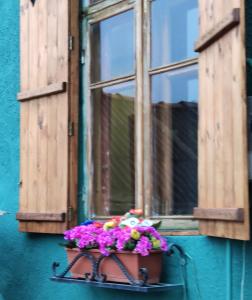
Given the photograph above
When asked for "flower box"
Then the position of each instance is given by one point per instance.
(126, 249)
(133, 262)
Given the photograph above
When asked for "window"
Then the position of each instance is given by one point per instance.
(143, 93)
(141, 113)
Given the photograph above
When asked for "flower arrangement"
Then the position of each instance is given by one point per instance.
(130, 232)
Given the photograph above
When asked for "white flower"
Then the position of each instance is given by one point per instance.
(131, 222)
(146, 223)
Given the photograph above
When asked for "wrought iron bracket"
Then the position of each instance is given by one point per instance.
(97, 279)
(96, 275)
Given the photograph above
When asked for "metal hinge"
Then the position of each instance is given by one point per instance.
(70, 213)
(70, 128)
(83, 53)
(70, 42)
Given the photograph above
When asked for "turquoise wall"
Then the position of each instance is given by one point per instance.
(214, 272)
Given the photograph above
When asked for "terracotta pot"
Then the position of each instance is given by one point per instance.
(132, 261)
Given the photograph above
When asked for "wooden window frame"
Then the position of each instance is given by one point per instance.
(173, 225)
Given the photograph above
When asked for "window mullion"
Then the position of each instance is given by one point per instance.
(147, 132)
(139, 197)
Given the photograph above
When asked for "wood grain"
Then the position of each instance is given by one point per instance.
(45, 143)
(48, 90)
(222, 141)
(228, 214)
(60, 217)
(221, 28)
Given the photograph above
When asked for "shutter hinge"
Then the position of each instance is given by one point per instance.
(70, 128)
(70, 213)
(70, 42)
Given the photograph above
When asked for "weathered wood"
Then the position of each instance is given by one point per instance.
(112, 82)
(147, 111)
(179, 233)
(48, 157)
(225, 214)
(174, 66)
(49, 90)
(222, 139)
(49, 217)
(109, 11)
(221, 28)
(139, 184)
(74, 111)
(24, 109)
(93, 150)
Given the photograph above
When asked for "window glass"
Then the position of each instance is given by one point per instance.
(174, 141)
(174, 28)
(113, 149)
(113, 47)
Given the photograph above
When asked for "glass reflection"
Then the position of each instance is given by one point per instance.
(174, 141)
(112, 47)
(174, 29)
(113, 151)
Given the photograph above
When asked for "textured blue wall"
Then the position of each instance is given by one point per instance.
(25, 259)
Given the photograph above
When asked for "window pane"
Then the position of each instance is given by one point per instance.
(113, 149)
(112, 47)
(174, 141)
(174, 28)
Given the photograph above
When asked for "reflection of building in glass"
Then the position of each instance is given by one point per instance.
(174, 145)
(113, 137)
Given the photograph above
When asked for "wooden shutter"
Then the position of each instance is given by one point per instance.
(223, 167)
(48, 114)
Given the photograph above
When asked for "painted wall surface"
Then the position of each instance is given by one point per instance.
(216, 270)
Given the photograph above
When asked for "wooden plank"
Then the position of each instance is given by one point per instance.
(74, 111)
(51, 89)
(226, 214)
(240, 109)
(24, 109)
(49, 217)
(43, 107)
(110, 11)
(179, 233)
(33, 109)
(221, 28)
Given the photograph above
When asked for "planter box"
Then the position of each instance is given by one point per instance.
(132, 261)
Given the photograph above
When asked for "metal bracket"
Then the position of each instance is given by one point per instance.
(70, 42)
(96, 275)
(70, 213)
(96, 279)
(70, 128)
(83, 55)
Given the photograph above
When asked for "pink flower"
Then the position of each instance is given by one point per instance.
(143, 246)
(92, 235)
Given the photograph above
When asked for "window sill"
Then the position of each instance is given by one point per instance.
(173, 225)
(179, 232)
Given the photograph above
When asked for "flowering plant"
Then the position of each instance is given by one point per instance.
(130, 232)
